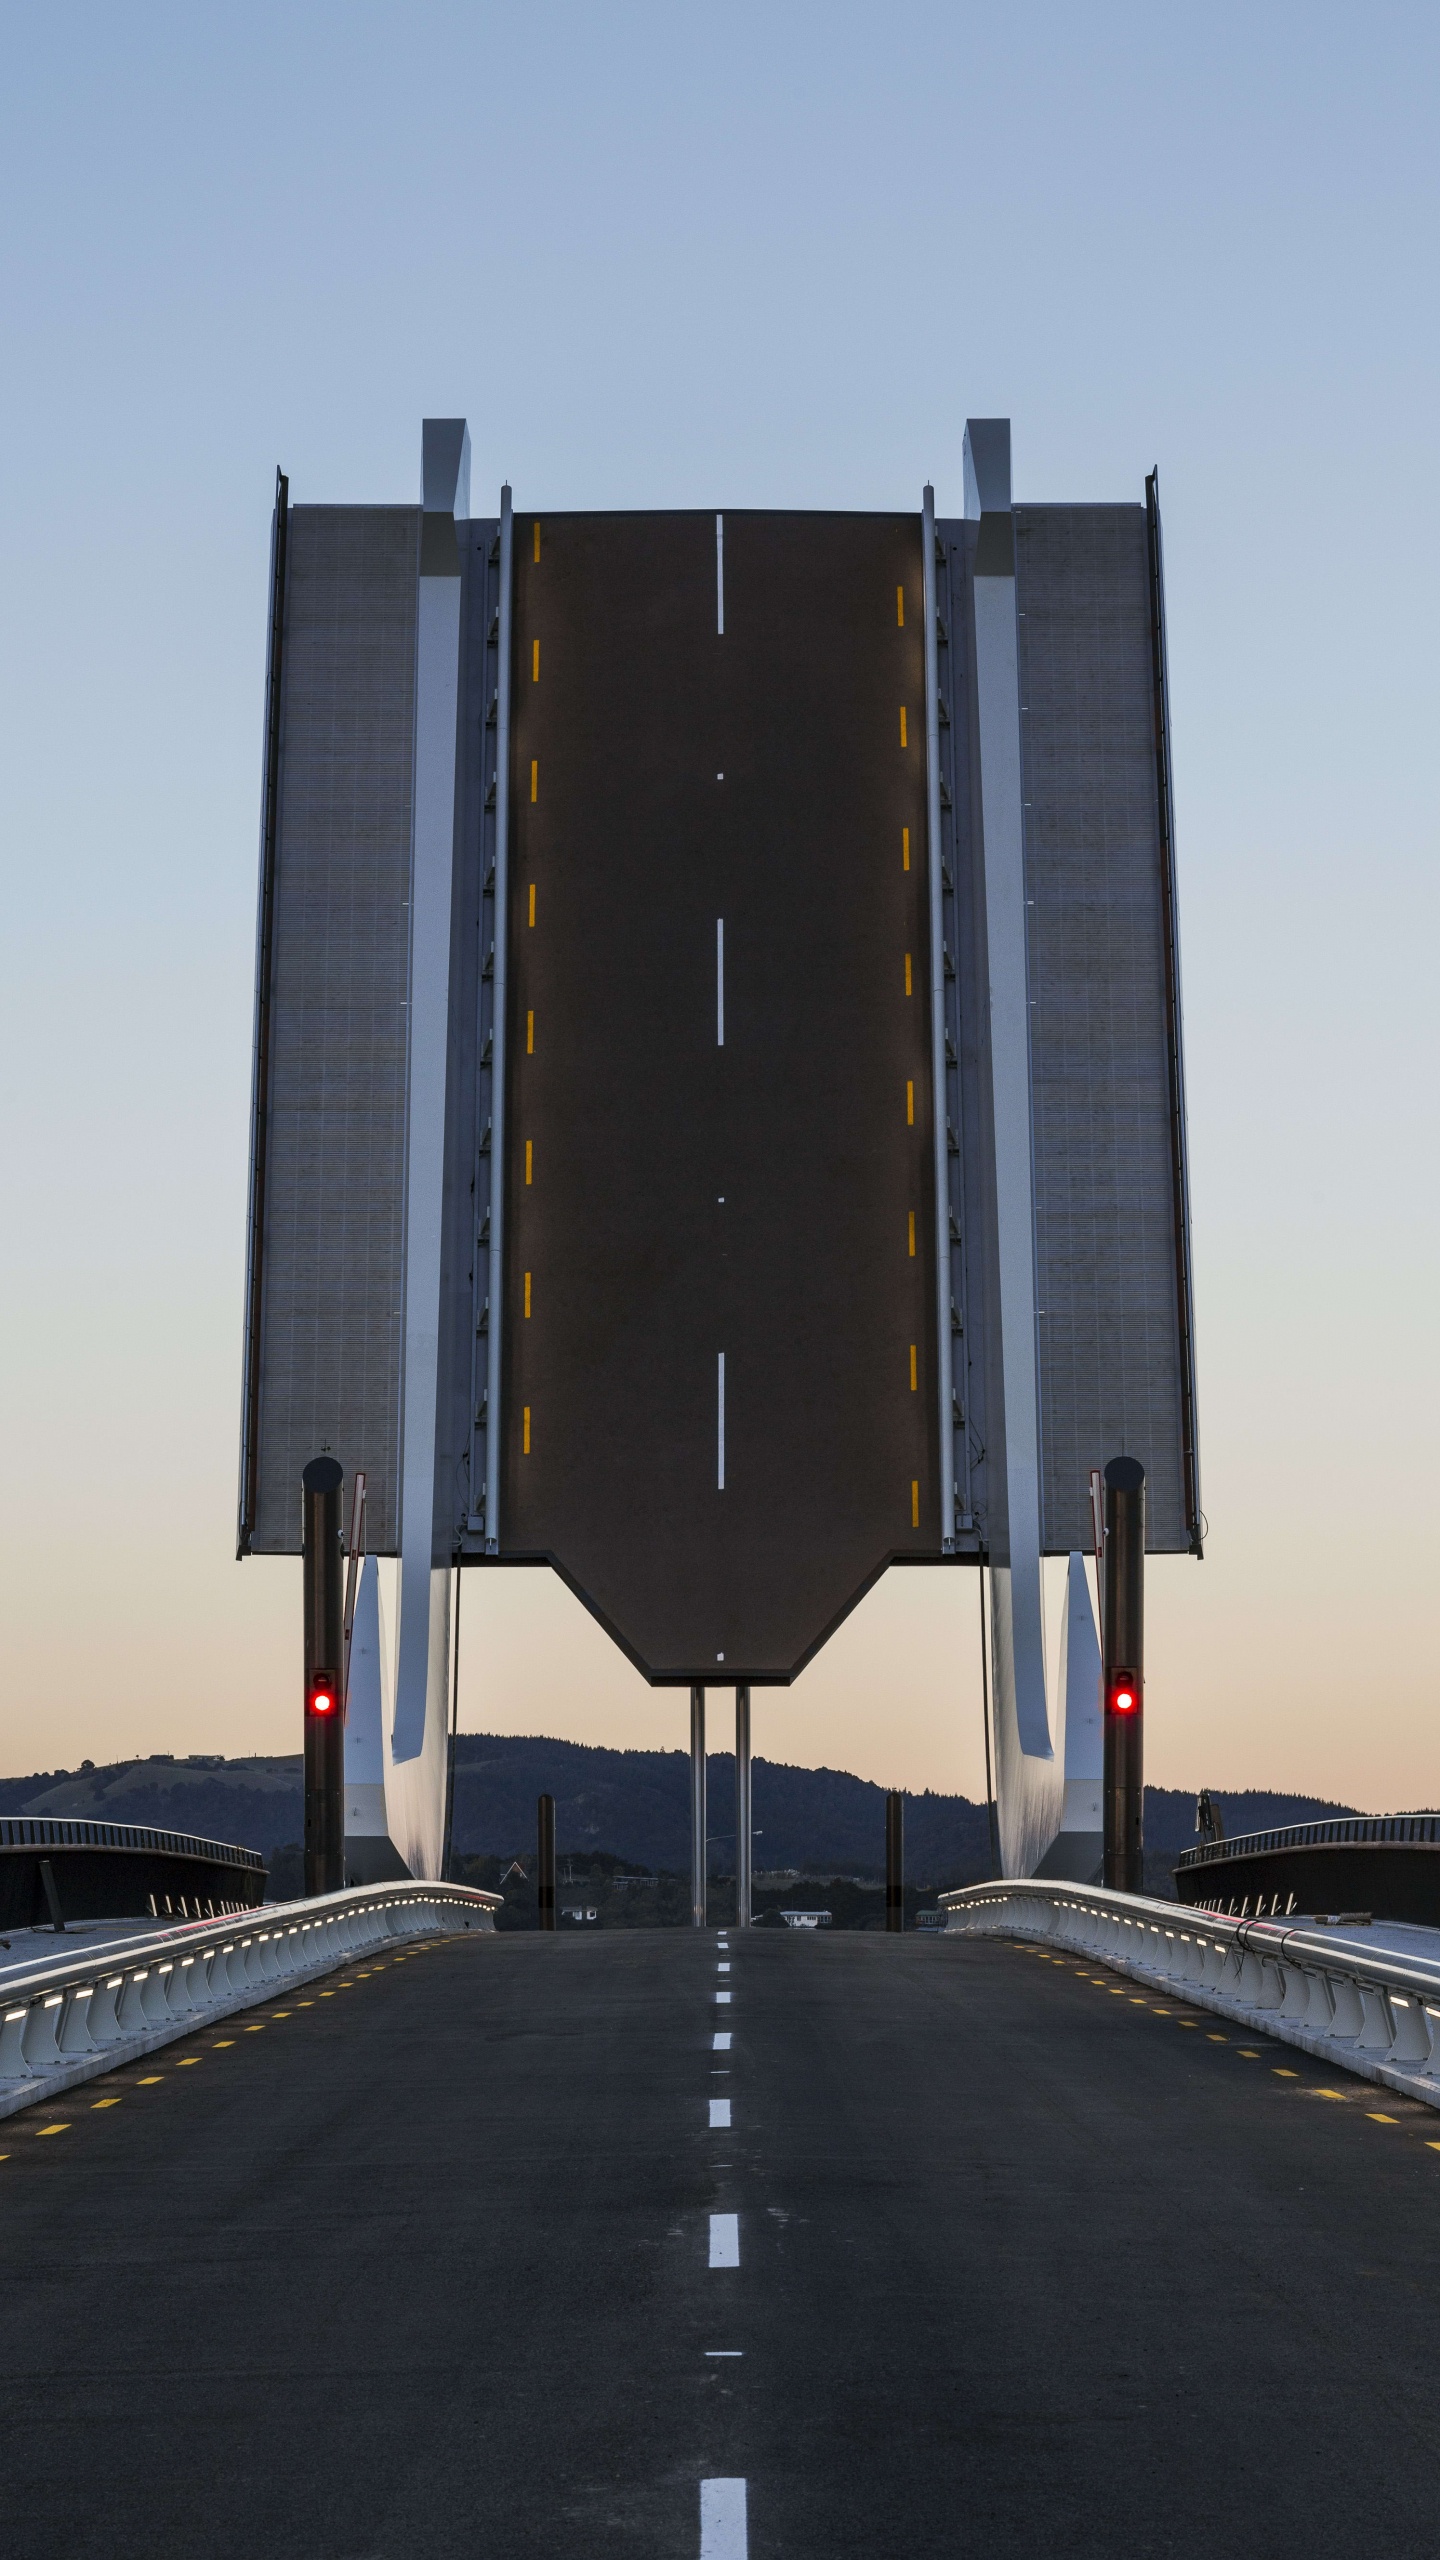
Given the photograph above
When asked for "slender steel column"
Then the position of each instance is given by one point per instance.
(545, 1864)
(324, 1693)
(894, 1860)
(1123, 1637)
(743, 1834)
(698, 1843)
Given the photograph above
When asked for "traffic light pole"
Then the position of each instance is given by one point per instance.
(1123, 1640)
(324, 1692)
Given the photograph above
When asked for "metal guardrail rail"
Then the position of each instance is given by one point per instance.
(1374, 2013)
(78, 1831)
(1342, 1831)
(70, 2020)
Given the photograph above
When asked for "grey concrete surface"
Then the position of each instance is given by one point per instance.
(417, 2262)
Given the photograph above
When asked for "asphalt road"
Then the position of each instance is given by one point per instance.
(419, 2263)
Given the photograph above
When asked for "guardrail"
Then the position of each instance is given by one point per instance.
(1337, 1831)
(1376, 2013)
(70, 2020)
(81, 1831)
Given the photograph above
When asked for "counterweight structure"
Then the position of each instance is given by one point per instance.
(719, 1119)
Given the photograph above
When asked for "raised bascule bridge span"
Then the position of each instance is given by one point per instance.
(719, 1132)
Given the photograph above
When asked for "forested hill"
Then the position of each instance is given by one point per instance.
(633, 1804)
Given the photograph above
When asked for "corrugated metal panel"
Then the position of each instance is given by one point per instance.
(1104, 1191)
(330, 1255)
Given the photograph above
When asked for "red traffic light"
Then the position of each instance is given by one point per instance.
(324, 1694)
(1122, 1695)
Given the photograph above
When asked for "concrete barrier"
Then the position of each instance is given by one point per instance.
(1369, 2010)
(73, 2018)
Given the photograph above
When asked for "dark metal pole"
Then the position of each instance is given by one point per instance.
(324, 1691)
(742, 1809)
(894, 1860)
(546, 1810)
(454, 1730)
(991, 1810)
(699, 1847)
(1124, 1650)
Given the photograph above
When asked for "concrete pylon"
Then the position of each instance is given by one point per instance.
(1077, 1851)
(371, 1856)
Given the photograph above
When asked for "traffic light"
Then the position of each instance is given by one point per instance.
(1124, 1691)
(324, 1694)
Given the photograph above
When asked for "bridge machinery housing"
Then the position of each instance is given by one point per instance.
(719, 1121)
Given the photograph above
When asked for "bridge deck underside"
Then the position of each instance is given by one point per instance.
(1028, 2263)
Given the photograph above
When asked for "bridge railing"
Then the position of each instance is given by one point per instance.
(1345, 1831)
(71, 2017)
(1364, 2008)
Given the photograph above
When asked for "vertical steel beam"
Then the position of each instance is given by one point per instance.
(699, 1851)
(944, 1346)
(1175, 1055)
(324, 1693)
(500, 1016)
(894, 1860)
(1124, 1642)
(545, 1861)
(744, 1835)
(264, 982)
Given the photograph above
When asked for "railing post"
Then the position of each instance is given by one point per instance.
(894, 1860)
(1124, 1642)
(324, 1695)
(546, 1861)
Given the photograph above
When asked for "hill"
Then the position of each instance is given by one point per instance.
(628, 1805)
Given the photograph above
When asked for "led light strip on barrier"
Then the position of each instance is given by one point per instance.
(71, 2021)
(1376, 2014)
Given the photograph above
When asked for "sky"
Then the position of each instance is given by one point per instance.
(759, 256)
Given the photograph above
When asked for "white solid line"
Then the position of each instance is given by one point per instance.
(722, 1421)
(724, 1998)
(724, 2534)
(724, 2239)
(719, 2115)
(721, 2043)
(720, 575)
(719, 982)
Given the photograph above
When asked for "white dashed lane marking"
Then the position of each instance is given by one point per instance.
(724, 2239)
(721, 2042)
(724, 1999)
(724, 2534)
(719, 2115)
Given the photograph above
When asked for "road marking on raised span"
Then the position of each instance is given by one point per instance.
(721, 2042)
(719, 2115)
(723, 1998)
(722, 1968)
(724, 2534)
(724, 2239)
(710, 2351)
